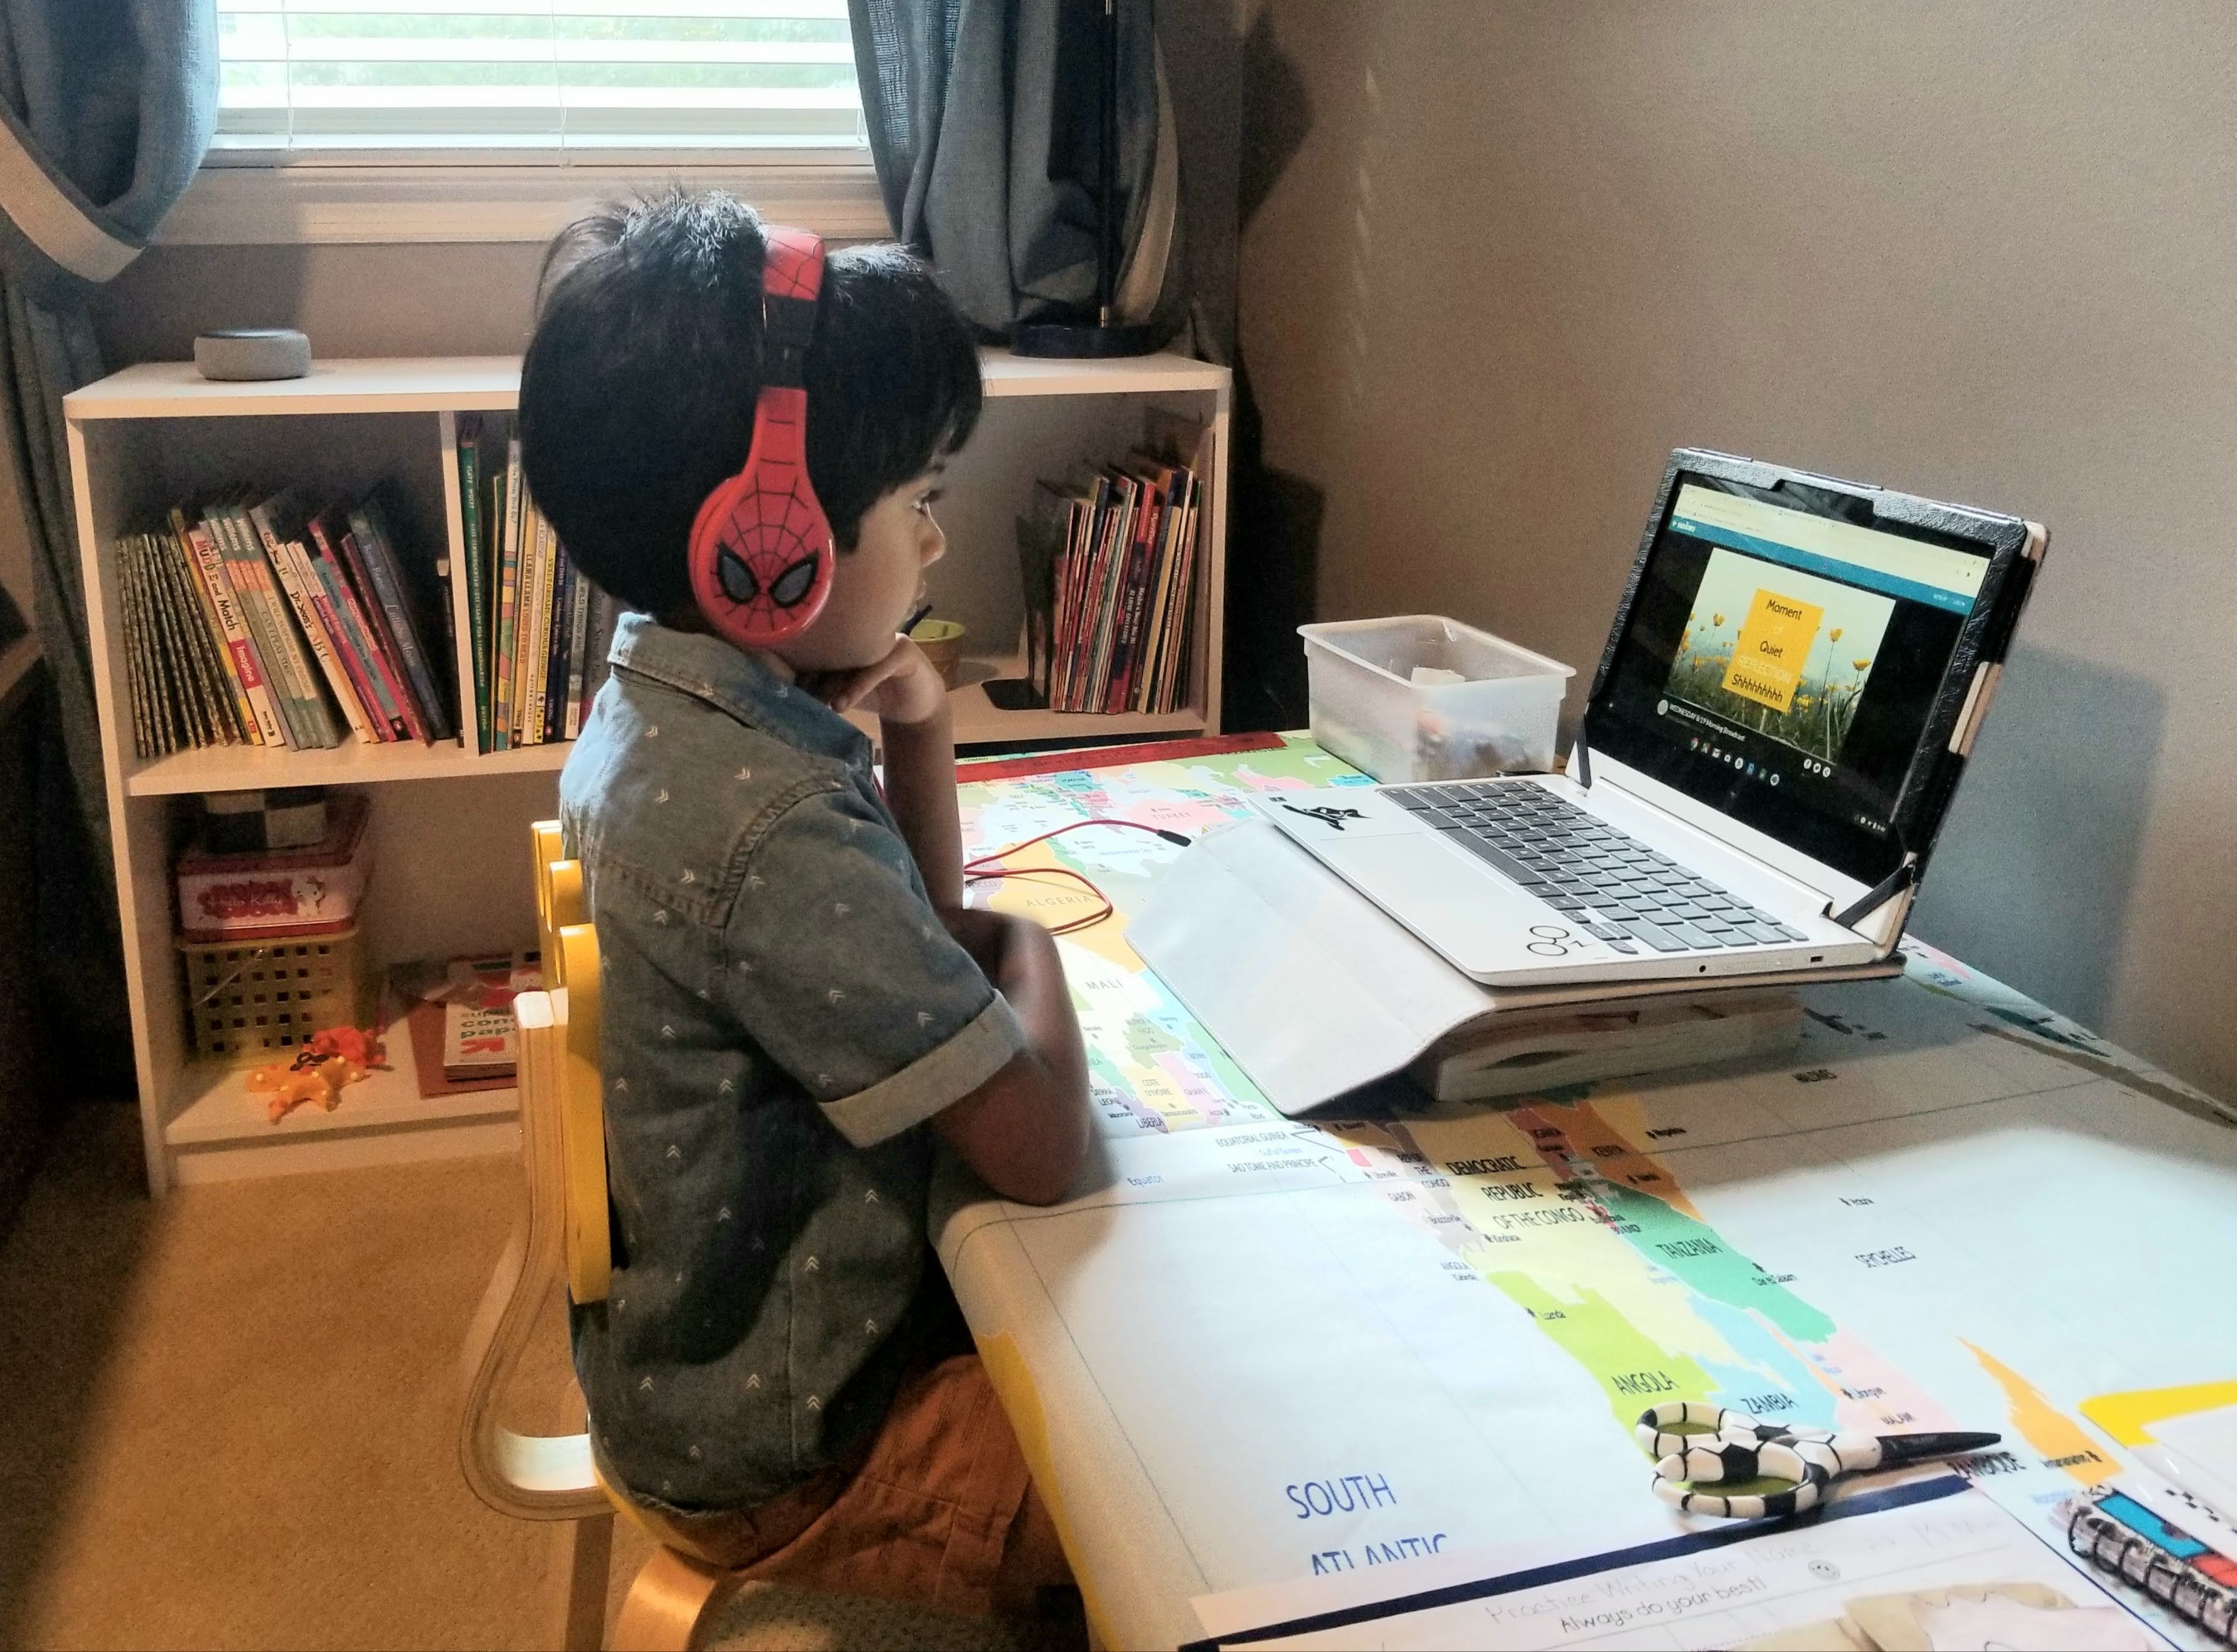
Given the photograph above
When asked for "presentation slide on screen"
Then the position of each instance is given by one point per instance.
(1779, 651)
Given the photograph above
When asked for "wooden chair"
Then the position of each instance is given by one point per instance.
(564, 1242)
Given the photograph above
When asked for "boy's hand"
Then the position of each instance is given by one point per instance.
(1025, 1130)
(902, 688)
(979, 932)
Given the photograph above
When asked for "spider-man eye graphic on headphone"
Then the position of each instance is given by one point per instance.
(778, 567)
(743, 586)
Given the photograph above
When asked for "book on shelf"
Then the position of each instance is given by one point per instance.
(167, 708)
(178, 694)
(503, 638)
(214, 598)
(382, 697)
(458, 1016)
(538, 628)
(570, 658)
(278, 523)
(535, 627)
(372, 649)
(287, 666)
(250, 620)
(402, 604)
(447, 612)
(478, 1043)
(1108, 563)
(472, 470)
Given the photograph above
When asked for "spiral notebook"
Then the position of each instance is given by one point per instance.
(2117, 1534)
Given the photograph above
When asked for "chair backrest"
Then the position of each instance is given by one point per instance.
(570, 946)
(582, 1114)
(563, 1235)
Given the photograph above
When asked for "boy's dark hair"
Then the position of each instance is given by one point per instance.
(636, 397)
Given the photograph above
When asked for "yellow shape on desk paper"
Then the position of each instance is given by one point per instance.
(2056, 1438)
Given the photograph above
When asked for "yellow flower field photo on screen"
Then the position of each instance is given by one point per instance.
(1779, 651)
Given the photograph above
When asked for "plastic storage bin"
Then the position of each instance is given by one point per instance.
(257, 1001)
(1367, 710)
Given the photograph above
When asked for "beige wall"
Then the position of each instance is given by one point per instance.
(1982, 251)
(409, 300)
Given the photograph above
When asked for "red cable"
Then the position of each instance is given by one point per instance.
(981, 869)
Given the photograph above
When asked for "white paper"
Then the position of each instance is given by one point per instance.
(1308, 984)
(1937, 1562)
(2206, 1442)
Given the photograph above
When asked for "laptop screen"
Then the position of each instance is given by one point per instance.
(1782, 658)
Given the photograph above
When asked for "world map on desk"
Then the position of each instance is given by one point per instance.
(1151, 1066)
(1949, 1209)
(1566, 1215)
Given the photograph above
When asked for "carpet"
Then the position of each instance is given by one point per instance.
(230, 1421)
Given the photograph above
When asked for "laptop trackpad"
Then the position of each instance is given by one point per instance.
(1444, 895)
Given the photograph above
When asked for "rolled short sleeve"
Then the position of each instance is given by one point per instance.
(839, 969)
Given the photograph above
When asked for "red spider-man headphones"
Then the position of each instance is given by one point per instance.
(762, 550)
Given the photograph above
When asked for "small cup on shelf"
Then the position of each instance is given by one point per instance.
(942, 643)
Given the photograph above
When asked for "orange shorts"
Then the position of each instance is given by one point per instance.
(941, 1512)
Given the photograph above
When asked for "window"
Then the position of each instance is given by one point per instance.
(531, 74)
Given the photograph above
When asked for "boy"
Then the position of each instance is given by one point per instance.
(795, 1003)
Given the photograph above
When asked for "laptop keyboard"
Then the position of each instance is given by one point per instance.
(1609, 885)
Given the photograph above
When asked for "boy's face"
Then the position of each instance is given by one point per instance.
(874, 586)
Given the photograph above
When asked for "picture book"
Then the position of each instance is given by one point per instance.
(474, 523)
(1107, 565)
(249, 620)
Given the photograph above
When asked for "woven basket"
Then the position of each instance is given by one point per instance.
(256, 1001)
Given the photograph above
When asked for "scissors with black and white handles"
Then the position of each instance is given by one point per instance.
(1696, 1444)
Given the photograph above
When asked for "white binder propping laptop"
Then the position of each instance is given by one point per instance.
(1789, 691)
(1315, 990)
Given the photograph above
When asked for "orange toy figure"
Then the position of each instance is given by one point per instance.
(360, 1045)
(291, 1088)
(315, 1076)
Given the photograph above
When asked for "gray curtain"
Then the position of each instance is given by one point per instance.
(106, 107)
(984, 128)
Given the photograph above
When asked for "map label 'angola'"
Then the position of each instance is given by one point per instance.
(1643, 1383)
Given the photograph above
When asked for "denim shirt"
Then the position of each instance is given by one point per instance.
(780, 1005)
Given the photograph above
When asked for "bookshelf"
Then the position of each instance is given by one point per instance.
(451, 868)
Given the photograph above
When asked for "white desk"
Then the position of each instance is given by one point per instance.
(1262, 1348)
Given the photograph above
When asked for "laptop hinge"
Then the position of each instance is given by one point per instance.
(1816, 884)
(1880, 893)
(1580, 761)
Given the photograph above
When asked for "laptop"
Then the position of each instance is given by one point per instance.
(1793, 682)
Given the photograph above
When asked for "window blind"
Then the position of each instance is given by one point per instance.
(535, 74)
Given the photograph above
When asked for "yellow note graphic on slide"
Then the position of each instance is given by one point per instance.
(1775, 641)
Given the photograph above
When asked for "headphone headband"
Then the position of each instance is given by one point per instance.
(762, 554)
